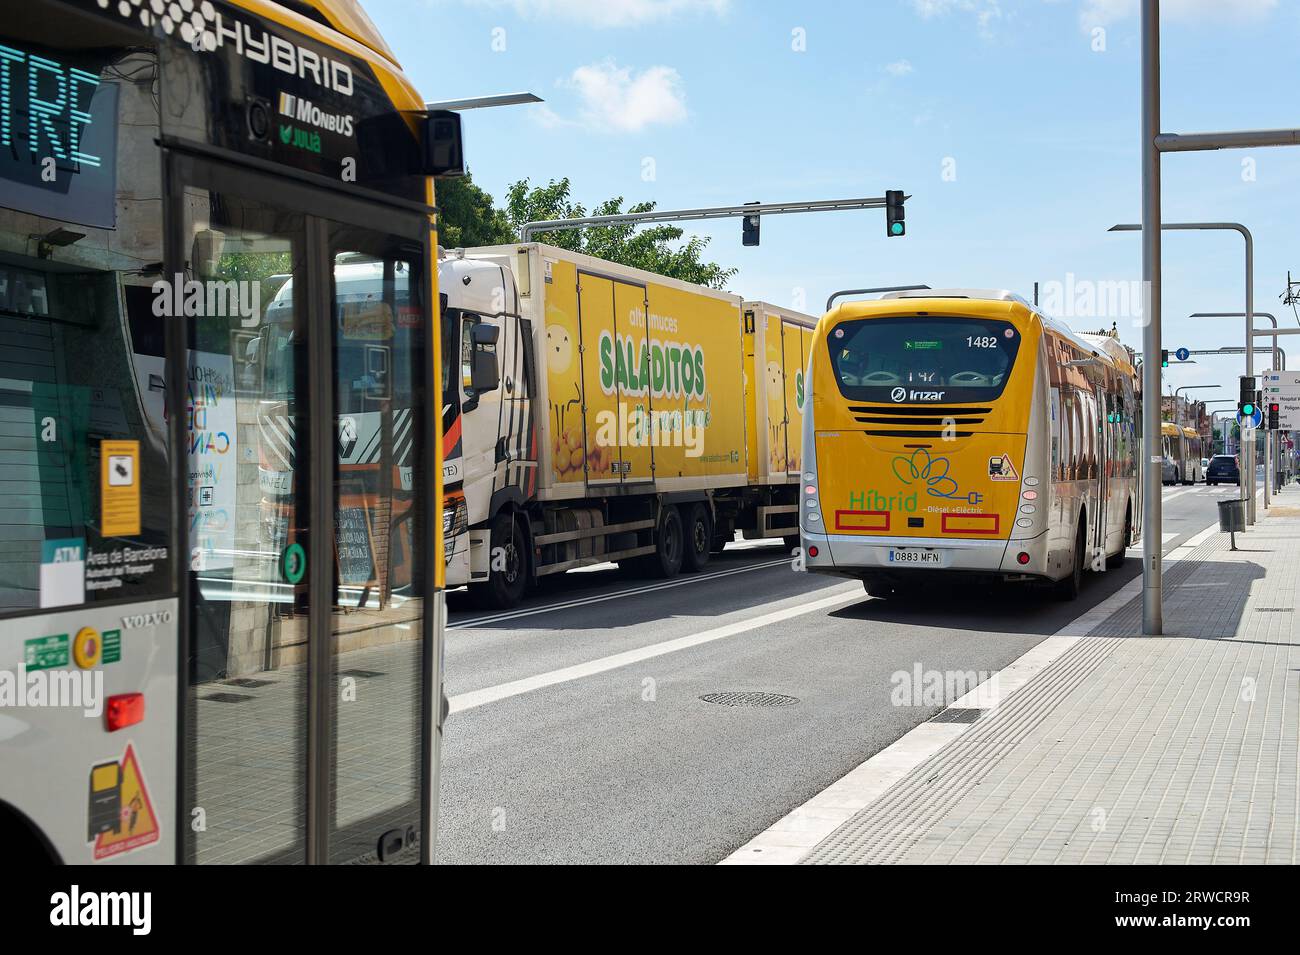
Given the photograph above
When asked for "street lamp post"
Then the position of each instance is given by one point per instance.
(1269, 450)
(1248, 442)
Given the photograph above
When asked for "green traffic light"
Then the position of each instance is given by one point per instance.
(896, 228)
(1248, 410)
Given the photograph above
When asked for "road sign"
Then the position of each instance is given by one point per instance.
(1250, 420)
(1183, 354)
(1283, 388)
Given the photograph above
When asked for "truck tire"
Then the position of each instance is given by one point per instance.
(698, 537)
(506, 587)
(670, 543)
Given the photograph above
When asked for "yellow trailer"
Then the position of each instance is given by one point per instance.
(632, 417)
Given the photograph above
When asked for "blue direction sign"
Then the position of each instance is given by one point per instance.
(1183, 354)
(1251, 421)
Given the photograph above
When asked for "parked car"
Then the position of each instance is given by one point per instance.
(1223, 469)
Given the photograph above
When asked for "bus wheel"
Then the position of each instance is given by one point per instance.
(790, 542)
(699, 538)
(1068, 587)
(508, 579)
(1115, 561)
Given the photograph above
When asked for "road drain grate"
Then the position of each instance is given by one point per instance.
(367, 674)
(734, 698)
(957, 714)
(1274, 610)
(248, 683)
(226, 697)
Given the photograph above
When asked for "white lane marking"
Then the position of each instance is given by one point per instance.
(614, 595)
(795, 834)
(493, 694)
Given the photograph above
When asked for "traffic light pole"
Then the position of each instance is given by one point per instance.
(530, 229)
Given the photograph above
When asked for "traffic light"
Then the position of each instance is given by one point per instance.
(749, 228)
(1164, 358)
(894, 216)
(1274, 414)
(1247, 400)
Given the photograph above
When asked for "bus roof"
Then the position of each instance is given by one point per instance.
(1169, 429)
(984, 302)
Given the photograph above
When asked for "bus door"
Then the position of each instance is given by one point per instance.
(1105, 452)
(306, 730)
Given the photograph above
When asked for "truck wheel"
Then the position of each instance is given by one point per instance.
(699, 538)
(670, 543)
(505, 587)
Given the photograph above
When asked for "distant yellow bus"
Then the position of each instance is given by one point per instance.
(1182, 452)
(965, 432)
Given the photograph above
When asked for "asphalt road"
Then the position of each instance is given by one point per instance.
(578, 734)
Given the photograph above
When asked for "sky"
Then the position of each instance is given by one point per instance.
(1013, 125)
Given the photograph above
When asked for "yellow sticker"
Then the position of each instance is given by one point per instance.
(119, 487)
(87, 648)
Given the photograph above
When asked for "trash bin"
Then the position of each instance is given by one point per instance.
(1232, 515)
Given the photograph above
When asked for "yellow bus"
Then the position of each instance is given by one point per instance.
(222, 562)
(1182, 452)
(965, 432)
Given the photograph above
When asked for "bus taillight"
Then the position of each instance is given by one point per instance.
(122, 710)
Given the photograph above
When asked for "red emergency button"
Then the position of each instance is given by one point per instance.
(124, 709)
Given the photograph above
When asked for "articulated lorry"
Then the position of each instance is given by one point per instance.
(595, 412)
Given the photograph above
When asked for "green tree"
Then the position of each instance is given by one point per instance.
(467, 216)
(657, 248)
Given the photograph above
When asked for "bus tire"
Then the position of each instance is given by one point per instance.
(698, 538)
(1116, 561)
(791, 542)
(506, 587)
(1068, 587)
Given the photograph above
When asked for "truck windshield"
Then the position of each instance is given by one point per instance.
(923, 359)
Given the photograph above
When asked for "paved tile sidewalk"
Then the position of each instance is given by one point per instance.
(1176, 749)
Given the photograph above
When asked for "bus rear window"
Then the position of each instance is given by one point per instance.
(923, 359)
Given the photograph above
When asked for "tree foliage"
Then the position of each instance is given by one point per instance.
(469, 218)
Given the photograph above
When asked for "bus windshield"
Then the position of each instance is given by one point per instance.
(923, 359)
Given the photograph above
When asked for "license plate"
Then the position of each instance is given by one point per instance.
(921, 558)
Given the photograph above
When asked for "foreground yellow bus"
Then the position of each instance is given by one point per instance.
(221, 570)
(964, 432)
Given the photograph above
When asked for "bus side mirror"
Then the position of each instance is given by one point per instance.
(484, 374)
(443, 145)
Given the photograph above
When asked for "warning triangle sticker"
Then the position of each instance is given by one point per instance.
(1001, 469)
(130, 822)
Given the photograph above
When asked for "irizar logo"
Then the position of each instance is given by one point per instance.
(304, 111)
(901, 394)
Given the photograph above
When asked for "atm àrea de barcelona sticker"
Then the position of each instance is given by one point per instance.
(121, 816)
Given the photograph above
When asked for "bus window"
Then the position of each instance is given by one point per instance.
(381, 534)
(923, 359)
(84, 475)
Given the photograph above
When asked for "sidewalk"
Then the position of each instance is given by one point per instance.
(1118, 748)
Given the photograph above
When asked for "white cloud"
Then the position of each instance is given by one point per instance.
(609, 13)
(615, 98)
(898, 68)
(1103, 12)
(986, 12)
